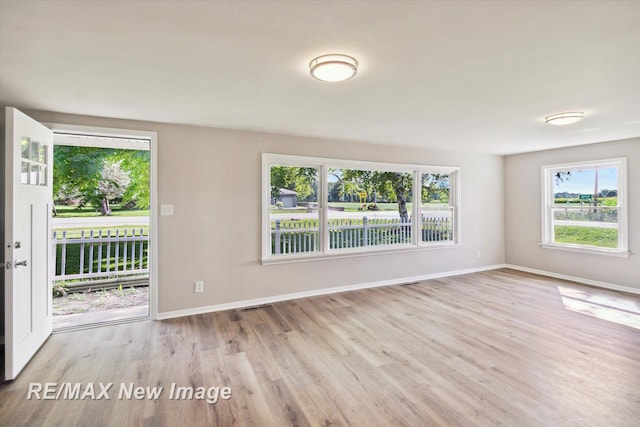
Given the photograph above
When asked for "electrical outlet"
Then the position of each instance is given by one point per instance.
(479, 255)
(199, 286)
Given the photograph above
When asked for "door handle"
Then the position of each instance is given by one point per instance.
(20, 263)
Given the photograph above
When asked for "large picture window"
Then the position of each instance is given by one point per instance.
(316, 207)
(585, 206)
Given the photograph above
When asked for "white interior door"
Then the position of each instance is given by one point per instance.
(28, 199)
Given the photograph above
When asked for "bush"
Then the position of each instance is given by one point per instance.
(59, 290)
(565, 200)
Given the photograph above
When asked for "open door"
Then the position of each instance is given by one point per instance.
(28, 153)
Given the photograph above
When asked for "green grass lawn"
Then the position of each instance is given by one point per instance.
(600, 237)
(90, 211)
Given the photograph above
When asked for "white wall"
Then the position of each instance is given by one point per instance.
(523, 215)
(212, 177)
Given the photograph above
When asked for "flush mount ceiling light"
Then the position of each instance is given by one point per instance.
(333, 67)
(564, 118)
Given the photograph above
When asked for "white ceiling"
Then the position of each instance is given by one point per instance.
(460, 75)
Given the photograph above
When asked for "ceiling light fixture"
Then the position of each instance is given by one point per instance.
(564, 118)
(333, 67)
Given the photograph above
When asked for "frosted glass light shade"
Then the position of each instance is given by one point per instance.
(333, 67)
(564, 118)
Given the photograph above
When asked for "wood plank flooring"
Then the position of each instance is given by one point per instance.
(493, 348)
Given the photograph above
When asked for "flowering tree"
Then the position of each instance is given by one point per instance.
(98, 176)
(112, 186)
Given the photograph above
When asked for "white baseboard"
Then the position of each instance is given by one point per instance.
(582, 280)
(325, 291)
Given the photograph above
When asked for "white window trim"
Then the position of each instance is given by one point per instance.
(322, 164)
(547, 172)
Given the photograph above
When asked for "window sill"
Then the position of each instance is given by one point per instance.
(358, 252)
(587, 250)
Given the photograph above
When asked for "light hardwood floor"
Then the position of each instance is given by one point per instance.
(500, 347)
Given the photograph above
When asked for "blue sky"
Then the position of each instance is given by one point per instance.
(583, 181)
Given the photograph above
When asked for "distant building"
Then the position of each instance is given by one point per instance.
(288, 198)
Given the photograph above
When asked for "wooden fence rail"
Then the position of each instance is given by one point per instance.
(100, 255)
(301, 236)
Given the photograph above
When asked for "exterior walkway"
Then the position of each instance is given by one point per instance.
(81, 319)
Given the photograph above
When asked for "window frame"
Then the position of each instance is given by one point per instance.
(323, 165)
(547, 205)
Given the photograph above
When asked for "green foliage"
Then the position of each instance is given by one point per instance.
(435, 187)
(98, 176)
(586, 214)
(564, 200)
(303, 181)
(562, 176)
(137, 164)
(59, 290)
(76, 170)
(392, 186)
(602, 201)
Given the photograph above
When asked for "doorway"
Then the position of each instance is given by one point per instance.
(101, 227)
(26, 163)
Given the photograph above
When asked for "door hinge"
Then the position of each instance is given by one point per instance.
(7, 265)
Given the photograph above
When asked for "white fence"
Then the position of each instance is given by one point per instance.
(101, 255)
(300, 236)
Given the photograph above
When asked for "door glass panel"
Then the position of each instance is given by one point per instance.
(43, 175)
(25, 147)
(42, 155)
(24, 175)
(35, 174)
(34, 163)
(35, 150)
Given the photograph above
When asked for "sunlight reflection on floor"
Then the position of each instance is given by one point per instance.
(613, 308)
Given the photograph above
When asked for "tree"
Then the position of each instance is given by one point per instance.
(349, 186)
(90, 174)
(76, 170)
(435, 187)
(112, 186)
(394, 186)
(299, 179)
(136, 163)
(562, 176)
